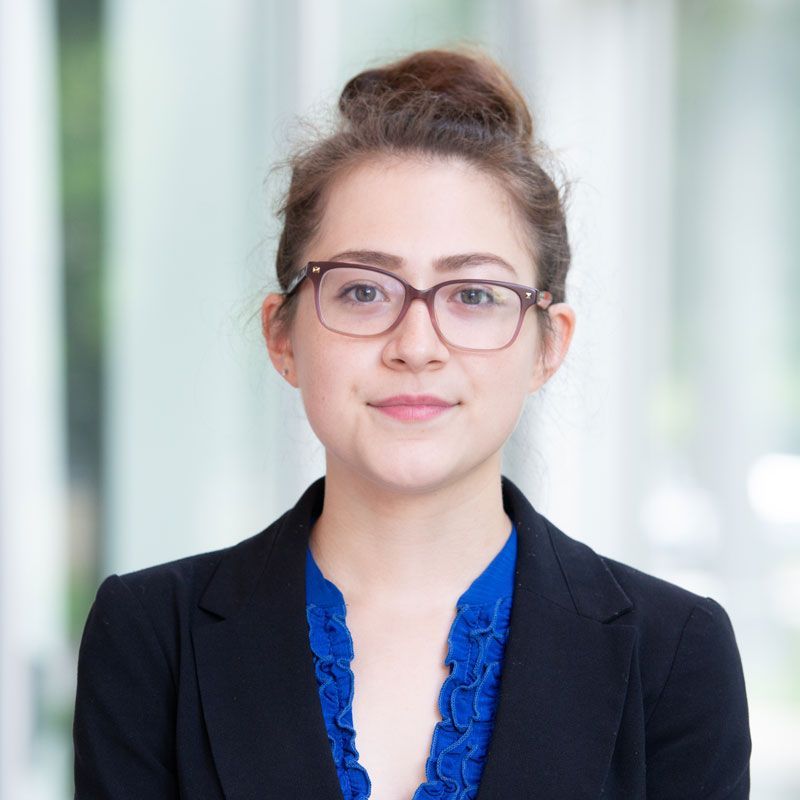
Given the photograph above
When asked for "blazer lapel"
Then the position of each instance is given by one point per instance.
(255, 667)
(562, 690)
(565, 672)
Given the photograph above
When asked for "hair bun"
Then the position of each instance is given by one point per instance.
(461, 87)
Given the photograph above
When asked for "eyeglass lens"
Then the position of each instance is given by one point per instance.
(469, 314)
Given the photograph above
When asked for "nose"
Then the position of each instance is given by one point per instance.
(415, 342)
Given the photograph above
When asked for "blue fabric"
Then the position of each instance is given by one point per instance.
(468, 697)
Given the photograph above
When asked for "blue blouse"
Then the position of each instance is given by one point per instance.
(468, 697)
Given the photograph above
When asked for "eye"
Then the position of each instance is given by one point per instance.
(360, 293)
(475, 296)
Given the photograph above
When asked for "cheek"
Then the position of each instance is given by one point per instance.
(509, 397)
(325, 413)
(328, 380)
(320, 383)
(316, 359)
(500, 392)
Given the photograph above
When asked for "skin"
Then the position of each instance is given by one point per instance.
(413, 511)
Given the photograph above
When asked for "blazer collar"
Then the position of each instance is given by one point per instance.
(562, 689)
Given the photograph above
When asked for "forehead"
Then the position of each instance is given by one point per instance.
(420, 210)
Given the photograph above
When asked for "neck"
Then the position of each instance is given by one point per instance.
(420, 550)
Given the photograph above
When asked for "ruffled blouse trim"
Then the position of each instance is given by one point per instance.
(467, 701)
(332, 646)
(468, 696)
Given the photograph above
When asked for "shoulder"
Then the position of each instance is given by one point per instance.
(668, 616)
(649, 593)
(570, 573)
(170, 582)
(686, 671)
(134, 664)
(654, 606)
(165, 598)
(689, 672)
(679, 634)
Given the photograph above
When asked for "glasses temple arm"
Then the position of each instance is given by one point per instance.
(297, 278)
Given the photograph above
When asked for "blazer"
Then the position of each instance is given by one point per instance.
(196, 679)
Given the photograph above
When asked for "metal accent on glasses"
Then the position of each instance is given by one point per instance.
(526, 296)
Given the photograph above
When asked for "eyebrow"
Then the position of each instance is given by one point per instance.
(450, 263)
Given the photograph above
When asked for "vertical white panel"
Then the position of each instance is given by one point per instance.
(32, 522)
(194, 92)
(318, 52)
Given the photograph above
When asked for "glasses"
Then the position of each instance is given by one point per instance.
(357, 300)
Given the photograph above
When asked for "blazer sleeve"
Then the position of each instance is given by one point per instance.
(698, 735)
(123, 729)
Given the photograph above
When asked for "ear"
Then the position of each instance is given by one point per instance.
(279, 344)
(562, 319)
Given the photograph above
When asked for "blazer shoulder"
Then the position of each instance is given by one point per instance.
(168, 594)
(651, 595)
(594, 577)
(677, 627)
(173, 582)
(658, 609)
(693, 689)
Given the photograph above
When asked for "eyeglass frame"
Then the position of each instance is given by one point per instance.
(315, 270)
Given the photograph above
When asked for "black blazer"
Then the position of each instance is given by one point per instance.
(196, 679)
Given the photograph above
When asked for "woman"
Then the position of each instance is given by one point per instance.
(494, 656)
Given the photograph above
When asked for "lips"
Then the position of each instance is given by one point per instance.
(412, 400)
(413, 407)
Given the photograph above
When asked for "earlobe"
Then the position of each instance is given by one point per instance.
(540, 375)
(278, 342)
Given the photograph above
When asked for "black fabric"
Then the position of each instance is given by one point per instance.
(196, 679)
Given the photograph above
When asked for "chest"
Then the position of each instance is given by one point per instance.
(398, 670)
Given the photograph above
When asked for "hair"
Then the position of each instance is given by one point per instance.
(446, 103)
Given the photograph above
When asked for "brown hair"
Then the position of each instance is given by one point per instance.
(432, 103)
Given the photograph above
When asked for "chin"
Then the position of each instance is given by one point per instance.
(414, 476)
(407, 467)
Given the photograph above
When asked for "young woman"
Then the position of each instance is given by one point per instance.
(412, 627)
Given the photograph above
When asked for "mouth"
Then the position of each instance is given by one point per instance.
(413, 408)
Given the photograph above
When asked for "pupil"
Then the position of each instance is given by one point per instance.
(362, 289)
(472, 293)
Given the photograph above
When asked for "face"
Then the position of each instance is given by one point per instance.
(415, 211)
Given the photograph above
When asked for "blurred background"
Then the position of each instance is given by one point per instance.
(140, 418)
